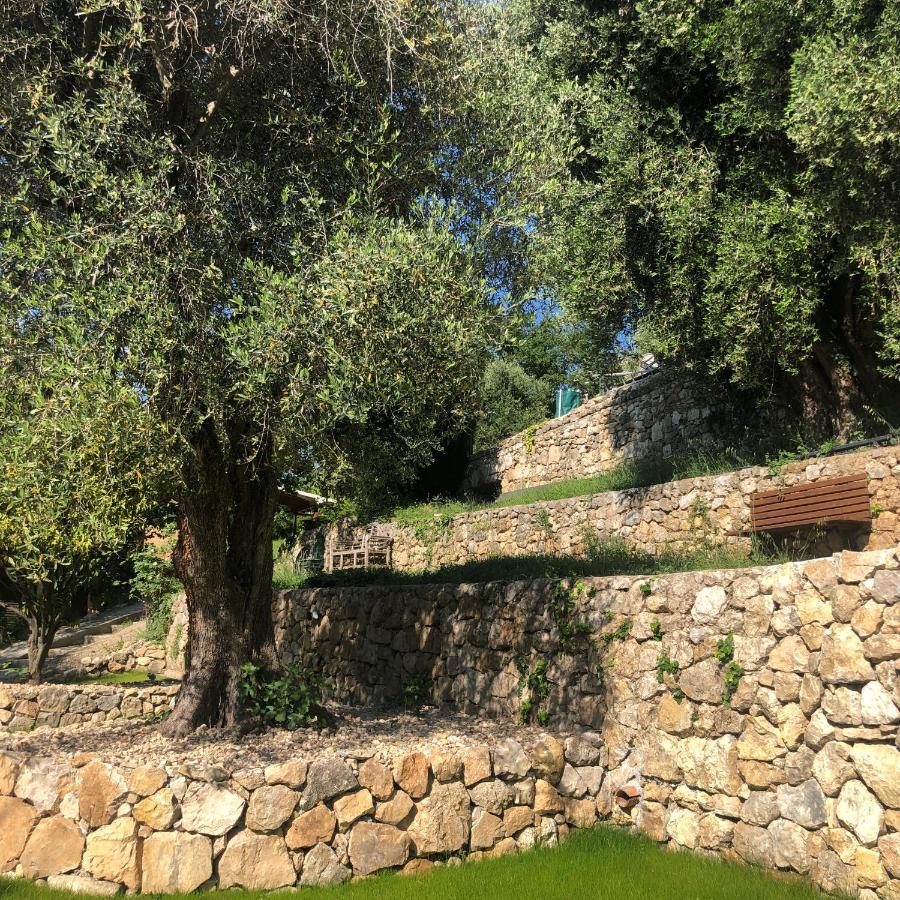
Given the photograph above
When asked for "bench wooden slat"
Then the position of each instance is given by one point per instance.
(812, 488)
(809, 505)
(830, 501)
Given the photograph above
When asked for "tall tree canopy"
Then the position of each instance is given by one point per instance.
(734, 200)
(230, 201)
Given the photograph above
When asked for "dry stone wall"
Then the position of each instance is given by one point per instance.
(23, 707)
(676, 515)
(95, 828)
(655, 416)
(755, 712)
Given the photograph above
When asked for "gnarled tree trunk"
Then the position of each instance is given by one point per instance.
(224, 559)
(41, 631)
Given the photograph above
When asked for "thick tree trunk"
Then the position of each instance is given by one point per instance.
(41, 631)
(224, 559)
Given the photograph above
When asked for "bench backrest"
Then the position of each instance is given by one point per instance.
(842, 500)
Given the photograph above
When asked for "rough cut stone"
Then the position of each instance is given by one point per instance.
(546, 798)
(258, 862)
(441, 822)
(270, 807)
(493, 795)
(157, 811)
(753, 844)
(584, 749)
(100, 791)
(395, 810)
(486, 830)
(516, 818)
(374, 847)
(843, 660)
(18, 818)
(112, 853)
(831, 767)
(789, 845)
(377, 778)
(790, 655)
(683, 827)
(55, 847)
(322, 867)
(447, 766)
(325, 779)
(411, 772)
(803, 804)
(316, 826)
(510, 759)
(674, 717)
(41, 782)
(548, 758)
(760, 808)
(352, 807)
(859, 811)
(702, 682)
(174, 862)
(147, 780)
(879, 767)
(210, 809)
(9, 769)
(708, 605)
(291, 774)
(81, 884)
(877, 706)
(476, 765)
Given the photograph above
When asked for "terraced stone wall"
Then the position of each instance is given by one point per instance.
(677, 515)
(655, 416)
(96, 828)
(23, 707)
(754, 711)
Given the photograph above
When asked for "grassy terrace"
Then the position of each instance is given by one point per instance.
(603, 558)
(600, 864)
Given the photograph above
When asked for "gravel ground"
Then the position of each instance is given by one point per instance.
(355, 734)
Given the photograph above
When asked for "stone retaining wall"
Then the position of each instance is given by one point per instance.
(98, 829)
(23, 707)
(676, 515)
(652, 417)
(755, 710)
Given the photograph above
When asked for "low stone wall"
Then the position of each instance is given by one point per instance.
(755, 710)
(675, 515)
(98, 829)
(23, 707)
(652, 417)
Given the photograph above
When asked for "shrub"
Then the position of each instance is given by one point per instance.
(155, 585)
(291, 700)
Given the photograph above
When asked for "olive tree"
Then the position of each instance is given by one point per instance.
(73, 493)
(229, 201)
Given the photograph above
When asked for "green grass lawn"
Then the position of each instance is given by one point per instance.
(133, 677)
(592, 865)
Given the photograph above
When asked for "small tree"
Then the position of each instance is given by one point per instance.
(72, 494)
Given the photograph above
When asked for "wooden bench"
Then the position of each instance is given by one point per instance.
(833, 501)
(365, 552)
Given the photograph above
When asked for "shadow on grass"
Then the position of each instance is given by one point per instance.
(598, 864)
(604, 559)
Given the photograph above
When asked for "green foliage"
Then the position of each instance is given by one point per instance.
(563, 609)
(725, 649)
(646, 589)
(291, 700)
(733, 674)
(538, 688)
(656, 630)
(155, 585)
(510, 401)
(730, 202)
(415, 694)
(665, 665)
